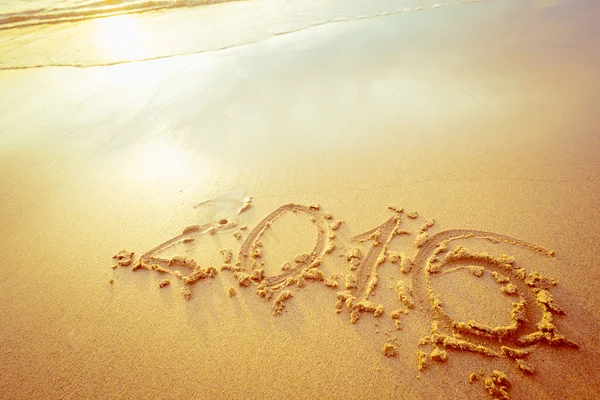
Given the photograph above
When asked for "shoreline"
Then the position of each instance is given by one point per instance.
(157, 26)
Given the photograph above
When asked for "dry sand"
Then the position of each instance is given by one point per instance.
(255, 183)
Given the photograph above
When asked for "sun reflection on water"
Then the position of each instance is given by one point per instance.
(121, 37)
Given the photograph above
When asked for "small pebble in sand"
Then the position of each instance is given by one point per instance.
(227, 255)
(186, 293)
(141, 265)
(331, 282)
(439, 355)
(191, 228)
(545, 298)
(279, 303)
(336, 225)
(476, 270)
(243, 278)
(395, 208)
(256, 253)
(413, 215)
(354, 254)
(163, 283)
(389, 350)
(421, 360)
(405, 267)
(183, 261)
(394, 257)
(312, 274)
(162, 270)
(301, 258)
(524, 366)
(244, 207)
(351, 282)
(257, 275)
(124, 258)
(231, 292)
(404, 294)
(330, 248)
(509, 289)
(421, 239)
(497, 385)
(499, 277)
(265, 293)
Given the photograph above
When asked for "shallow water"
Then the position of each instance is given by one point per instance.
(24, 13)
(168, 31)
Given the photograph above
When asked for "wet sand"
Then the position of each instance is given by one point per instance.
(248, 178)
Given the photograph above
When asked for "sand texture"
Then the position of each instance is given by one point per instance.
(387, 207)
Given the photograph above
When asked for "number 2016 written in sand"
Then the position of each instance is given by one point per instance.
(532, 317)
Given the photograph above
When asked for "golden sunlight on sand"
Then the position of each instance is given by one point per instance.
(162, 160)
(398, 206)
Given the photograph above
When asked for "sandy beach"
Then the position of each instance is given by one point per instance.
(403, 206)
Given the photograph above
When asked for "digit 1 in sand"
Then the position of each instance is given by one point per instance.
(367, 269)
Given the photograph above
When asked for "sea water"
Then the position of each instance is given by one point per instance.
(84, 33)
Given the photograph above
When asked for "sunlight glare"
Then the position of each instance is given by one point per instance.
(121, 37)
(161, 160)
